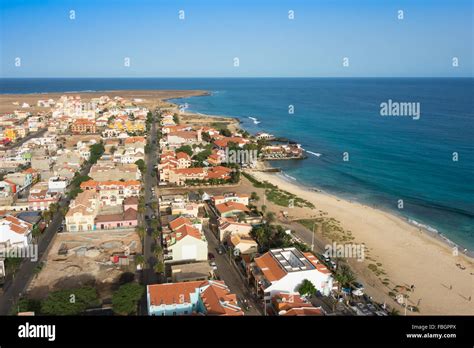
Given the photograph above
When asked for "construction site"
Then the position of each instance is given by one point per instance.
(96, 258)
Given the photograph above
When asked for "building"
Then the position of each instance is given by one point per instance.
(228, 227)
(113, 192)
(283, 271)
(292, 305)
(185, 243)
(191, 272)
(192, 298)
(241, 198)
(15, 232)
(229, 209)
(82, 212)
(41, 197)
(57, 184)
(83, 126)
(126, 219)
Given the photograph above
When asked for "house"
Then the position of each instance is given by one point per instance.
(179, 176)
(284, 270)
(82, 212)
(231, 208)
(104, 171)
(182, 221)
(292, 305)
(57, 184)
(187, 209)
(192, 298)
(40, 197)
(191, 272)
(113, 192)
(15, 232)
(126, 219)
(83, 126)
(185, 243)
(242, 245)
(21, 180)
(241, 198)
(229, 227)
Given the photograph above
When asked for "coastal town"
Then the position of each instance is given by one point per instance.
(135, 207)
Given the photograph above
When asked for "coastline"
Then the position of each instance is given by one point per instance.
(398, 244)
(408, 254)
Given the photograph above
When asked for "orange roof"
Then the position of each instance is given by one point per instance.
(179, 222)
(215, 296)
(132, 140)
(270, 267)
(314, 260)
(190, 171)
(184, 155)
(186, 230)
(17, 225)
(230, 206)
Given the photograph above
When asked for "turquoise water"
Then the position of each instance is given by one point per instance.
(390, 158)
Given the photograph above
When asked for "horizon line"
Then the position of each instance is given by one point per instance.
(244, 77)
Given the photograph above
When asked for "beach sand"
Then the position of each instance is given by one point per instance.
(408, 255)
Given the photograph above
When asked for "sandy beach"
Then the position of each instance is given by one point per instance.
(408, 256)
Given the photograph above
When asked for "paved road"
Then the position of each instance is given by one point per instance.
(25, 139)
(229, 274)
(13, 290)
(149, 275)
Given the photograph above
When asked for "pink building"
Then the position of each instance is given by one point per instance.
(127, 219)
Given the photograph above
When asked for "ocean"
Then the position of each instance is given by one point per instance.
(425, 164)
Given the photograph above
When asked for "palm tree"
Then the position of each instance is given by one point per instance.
(140, 260)
(254, 196)
(270, 217)
(159, 267)
(263, 208)
(141, 231)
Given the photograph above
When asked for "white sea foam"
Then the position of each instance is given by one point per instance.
(314, 153)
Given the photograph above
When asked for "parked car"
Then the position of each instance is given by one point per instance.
(211, 256)
(213, 265)
(220, 250)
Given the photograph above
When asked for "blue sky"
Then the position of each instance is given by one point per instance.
(258, 32)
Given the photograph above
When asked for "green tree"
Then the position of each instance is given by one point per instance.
(185, 148)
(307, 288)
(140, 231)
(254, 197)
(141, 165)
(125, 299)
(270, 217)
(159, 267)
(96, 152)
(140, 260)
(70, 302)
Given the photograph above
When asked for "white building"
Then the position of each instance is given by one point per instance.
(284, 270)
(57, 184)
(15, 232)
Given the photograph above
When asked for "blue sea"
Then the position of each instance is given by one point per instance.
(390, 158)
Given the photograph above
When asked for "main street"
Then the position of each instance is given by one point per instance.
(227, 272)
(149, 275)
(14, 289)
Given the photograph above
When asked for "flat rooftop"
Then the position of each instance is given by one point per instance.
(291, 259)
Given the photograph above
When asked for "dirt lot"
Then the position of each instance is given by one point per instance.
(87, 262)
